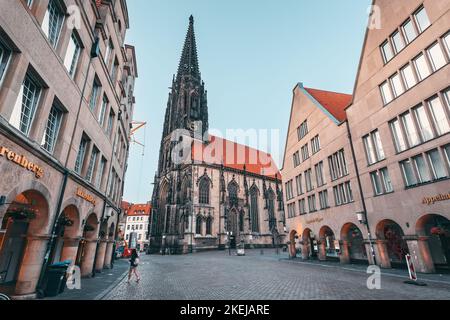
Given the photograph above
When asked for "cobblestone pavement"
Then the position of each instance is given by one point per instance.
(217, 276)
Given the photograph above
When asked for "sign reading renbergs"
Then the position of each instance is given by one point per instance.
(22, 161)
(434, 199)
(80, 193)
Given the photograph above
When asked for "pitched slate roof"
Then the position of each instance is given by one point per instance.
(233, 155)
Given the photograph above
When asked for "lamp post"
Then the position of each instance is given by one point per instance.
(229, 234)
(362, 218)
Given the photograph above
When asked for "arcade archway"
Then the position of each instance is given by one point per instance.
(353, 241)
(23, 242)
(392, 247)
(436, 229)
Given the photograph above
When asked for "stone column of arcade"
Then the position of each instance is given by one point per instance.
(31, 265)
(322, 249)
(100, 259)
(87, 262)
(383, 254)
(108, 254)
(420, 253)
(344, 256)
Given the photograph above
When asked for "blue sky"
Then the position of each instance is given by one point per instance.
(251, 55)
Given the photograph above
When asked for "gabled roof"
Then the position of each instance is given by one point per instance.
(334, 102)
(143, 209)
(233, 155)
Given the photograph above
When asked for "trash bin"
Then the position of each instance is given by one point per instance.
(56, 278)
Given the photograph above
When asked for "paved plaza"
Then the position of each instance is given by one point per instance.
(269, 276)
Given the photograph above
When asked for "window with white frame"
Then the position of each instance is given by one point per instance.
(305, 152)
(302, 206)
(397, 41)
(109, 49)
(387, 52)
(338, 165)
(436, 56)
(81, 154)
(102, 111)
(408, 76)
(110, 122)
(439, 115)
(296, 159)
(410, 129)
(397, 85)
(315, 144)
(381, 182)
(92, 163)
(409, 31)
(5, 57)
(289, 190)
(408, 173)
(421, 65)
(426, 131)
(291, 210)
(319, 174)
(72, 55)
(447, 153)
(374, 147)
(312, 203)
(308, 180)
(25, 107)
(422, 20)
(29, 3)
(52, 128)
(423, 174)
(298, 182)
(94, 95)
(386, 93)
(397, 133)
(53, 22)
(323, 199)
(437, 165)
(302, 130)
(446, 41)
(100, 173)
(343, 193)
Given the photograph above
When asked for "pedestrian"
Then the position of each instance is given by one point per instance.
(134, 263)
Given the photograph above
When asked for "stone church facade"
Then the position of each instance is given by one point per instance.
(222, 193)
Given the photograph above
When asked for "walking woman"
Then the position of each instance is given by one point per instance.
(134, 262)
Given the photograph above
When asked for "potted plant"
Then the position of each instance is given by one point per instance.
(22, 214)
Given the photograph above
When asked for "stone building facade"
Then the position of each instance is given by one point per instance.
(137, 220)
(399, 124)
(66, 104)
(214, 193)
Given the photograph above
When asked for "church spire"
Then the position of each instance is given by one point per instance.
(189, 60)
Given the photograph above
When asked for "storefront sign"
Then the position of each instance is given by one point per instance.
(22, 161)
(80, 193)
(316, 220)
(438, 198)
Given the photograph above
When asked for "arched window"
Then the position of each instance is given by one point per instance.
(254, 215)
(198, 227)
(209, 226)
(204, 191)
(233, 193)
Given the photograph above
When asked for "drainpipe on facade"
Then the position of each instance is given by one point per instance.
(369, 235)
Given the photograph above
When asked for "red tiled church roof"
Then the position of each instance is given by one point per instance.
(233, 155)
(334, 102)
